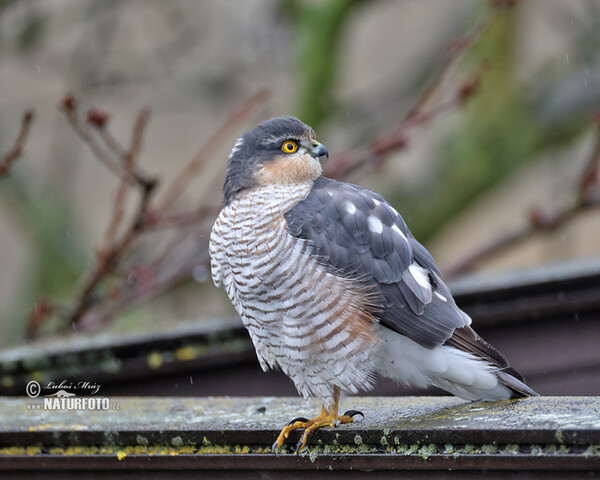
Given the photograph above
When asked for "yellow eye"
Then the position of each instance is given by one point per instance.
(289, 146)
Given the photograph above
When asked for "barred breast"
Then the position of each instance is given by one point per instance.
(308, 322)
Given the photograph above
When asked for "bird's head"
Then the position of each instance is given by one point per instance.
(280, 150)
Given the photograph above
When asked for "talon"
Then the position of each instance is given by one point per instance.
(327, 418)
(302, 442)
(276, 447)
(353, 413)
(298, 419)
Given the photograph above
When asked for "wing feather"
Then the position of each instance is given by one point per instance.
(356, 233)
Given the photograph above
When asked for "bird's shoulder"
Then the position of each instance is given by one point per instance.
(349, 224)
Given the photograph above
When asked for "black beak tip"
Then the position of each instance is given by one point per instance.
(319, 151)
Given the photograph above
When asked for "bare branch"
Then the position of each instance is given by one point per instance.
(170, 220)
(589, 184)
(455, 55)
(587, 196)
(129, 159)
(17, 148)
(106, 312)
(204, 154)
(343, 164)
(69, 106)
(107, 259)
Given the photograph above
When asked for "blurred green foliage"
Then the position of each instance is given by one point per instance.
(58, 257)
(501, 131)
(502, 127)
(319, 27)
(498, 134)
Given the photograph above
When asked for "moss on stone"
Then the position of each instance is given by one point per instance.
(427, 450)
(489, 449)
(512, 449)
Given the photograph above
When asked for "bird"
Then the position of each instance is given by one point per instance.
(332, 286)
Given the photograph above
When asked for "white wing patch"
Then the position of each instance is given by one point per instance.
(350, 207)
(441, 297)
(375, 224)
(417, 279)
(420, 275)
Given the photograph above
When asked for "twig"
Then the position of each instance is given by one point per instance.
(69, 106)
(42, 309)
(125, 166)
(136, 139)
(170, 220)
(589, 184)
(104, 314)
(204, 154)
(587, 196)
(128, 159)
(17, 148)
(106, 260)
(455, 55)
(343, 164)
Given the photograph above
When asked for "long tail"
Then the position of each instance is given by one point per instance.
(467, 340)
(465, 366)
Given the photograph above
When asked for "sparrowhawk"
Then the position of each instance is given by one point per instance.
(333, 287)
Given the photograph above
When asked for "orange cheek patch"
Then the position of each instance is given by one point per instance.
(289, 169)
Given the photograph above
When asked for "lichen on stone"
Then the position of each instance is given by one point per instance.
(512, 449)
(427, 450)
(489, 449)
(592, 451)
(177, 442)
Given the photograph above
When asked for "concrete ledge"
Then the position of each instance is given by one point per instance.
(398, 433)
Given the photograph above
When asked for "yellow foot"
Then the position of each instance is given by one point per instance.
(325, 419)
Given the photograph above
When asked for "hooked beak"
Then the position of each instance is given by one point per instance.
(318, 150)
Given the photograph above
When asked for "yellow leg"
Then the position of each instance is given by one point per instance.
(325, 419)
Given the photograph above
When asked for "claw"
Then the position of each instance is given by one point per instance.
(299, 422)
(298, 419)
(353, 413)
(327, 418)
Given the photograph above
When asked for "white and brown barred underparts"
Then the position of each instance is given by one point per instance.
(301, 317)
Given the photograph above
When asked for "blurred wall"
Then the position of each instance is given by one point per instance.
(192, 62)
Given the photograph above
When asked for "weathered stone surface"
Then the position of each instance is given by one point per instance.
(220, 432)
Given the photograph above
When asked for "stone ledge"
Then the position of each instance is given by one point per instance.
(405, 433)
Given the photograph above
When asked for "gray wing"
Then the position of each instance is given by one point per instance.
(356, 233)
